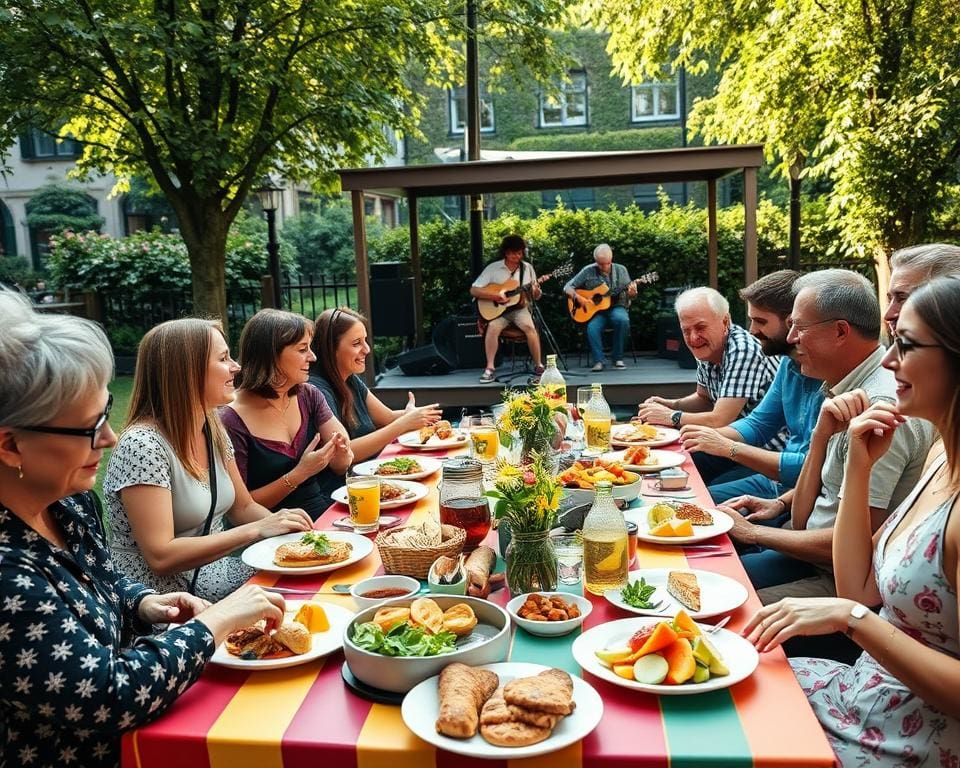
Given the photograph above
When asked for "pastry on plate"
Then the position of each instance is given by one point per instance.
(683, 585)
(311, 550)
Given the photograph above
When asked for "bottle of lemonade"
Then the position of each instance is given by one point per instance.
(596, 422)
(551, 376)
(604, 544)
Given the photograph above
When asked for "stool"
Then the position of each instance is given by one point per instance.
(628, 348)
(511, 336)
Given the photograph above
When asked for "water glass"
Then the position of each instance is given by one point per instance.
(484, 438)
(363, 497)
(569, 548)
(583, 397)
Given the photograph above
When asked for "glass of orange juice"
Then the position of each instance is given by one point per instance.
(363, 496)
(484, 438)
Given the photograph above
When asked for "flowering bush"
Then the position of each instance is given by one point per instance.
(527, 497)
(533, 415)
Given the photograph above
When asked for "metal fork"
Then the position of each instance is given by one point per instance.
(718, 626)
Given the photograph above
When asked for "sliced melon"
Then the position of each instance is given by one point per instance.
(650, 669)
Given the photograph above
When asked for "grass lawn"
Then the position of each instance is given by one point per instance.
(120, 387)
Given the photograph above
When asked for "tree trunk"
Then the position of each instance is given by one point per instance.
(207, 247)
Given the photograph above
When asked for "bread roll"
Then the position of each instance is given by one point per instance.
(294, 636)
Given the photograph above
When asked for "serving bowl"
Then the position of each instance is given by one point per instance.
(375, 583)
(550, 628)
(488, 643)
(627, 491)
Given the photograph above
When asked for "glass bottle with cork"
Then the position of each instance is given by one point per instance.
(596, 422)
(462, 502)
(605, 543)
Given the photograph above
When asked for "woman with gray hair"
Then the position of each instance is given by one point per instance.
(79, 665)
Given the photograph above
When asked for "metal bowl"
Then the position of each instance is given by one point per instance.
(489, 643)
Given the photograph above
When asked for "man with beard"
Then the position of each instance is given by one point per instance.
(734, 461)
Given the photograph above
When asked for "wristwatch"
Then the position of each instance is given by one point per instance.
(675, 418)
(857, 612)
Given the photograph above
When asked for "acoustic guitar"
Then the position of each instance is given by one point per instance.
(490, 310)
(600, 299)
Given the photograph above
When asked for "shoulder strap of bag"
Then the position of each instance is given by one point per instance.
(212, 479)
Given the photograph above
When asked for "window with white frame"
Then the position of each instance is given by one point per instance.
(568, 106)
(458, 110)
(658, 100)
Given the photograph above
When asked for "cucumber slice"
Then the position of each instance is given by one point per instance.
(650, 669)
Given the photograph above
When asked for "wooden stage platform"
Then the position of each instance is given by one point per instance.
(623, 388)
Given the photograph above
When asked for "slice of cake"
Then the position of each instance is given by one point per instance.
(696, 515)
(684, 587)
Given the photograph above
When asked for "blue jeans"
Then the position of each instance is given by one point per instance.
(718, 469)
(755, 485)
(619, 320)
(769, 568)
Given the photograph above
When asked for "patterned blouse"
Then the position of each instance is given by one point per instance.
(77, 666)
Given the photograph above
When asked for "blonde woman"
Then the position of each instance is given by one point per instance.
(165, 529)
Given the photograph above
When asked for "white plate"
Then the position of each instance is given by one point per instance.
(323, 642)
(422, 703)
(428, 465)
(415, 492)
(665, 436)
(658, 460)
(718, 593)
(721, 524)
(260, 555)
(740, 657)
(412, 440)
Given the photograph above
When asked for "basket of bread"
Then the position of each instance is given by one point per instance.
(410, 551)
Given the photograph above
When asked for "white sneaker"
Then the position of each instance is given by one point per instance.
(597, 367)
(619, 364)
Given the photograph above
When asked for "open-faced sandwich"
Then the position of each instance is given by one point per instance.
(399, 466)
(254, 642)
(311, 550)
(391, 492)
(442, 430)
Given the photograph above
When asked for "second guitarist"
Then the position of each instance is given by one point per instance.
(510, 266)
(616, 278)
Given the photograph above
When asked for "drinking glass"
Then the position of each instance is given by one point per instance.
(484, 438)
(569, 548)
(583, 397)
(363, 496)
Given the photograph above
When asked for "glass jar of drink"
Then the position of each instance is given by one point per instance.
(596, 422)
(462, 502)
(605, 543)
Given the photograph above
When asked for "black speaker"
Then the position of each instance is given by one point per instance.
(392, 305)
(469, 342)
(425, 361)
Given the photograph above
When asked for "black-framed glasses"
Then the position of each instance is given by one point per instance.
(905, 345)
(92, 432)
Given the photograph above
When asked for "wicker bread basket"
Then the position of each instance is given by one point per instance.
(407, 561)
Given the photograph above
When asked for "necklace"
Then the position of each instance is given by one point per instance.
(281, 409)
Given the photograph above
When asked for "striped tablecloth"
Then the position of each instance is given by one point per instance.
(304, 716)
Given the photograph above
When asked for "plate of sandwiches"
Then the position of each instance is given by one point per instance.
(311, 552)
(393, 493)
(649, 435)
(309, 630)
(641, 458)
(681, 522)
(433, 437)
(502, 711)
(400, 467)
(701, 594)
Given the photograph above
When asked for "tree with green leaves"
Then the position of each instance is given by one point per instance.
(862, 93)
(206, 96)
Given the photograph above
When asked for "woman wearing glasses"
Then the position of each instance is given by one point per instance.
(167, 526)
(74, 673)
(287, 442)
(340, 344)
(897, 705)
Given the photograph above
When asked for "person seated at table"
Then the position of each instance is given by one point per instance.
(510, 266)
(284, 434)
(897, 704)
(835, 325)
(76, 673)
(616, 278)
(732, 371)
(163, 530)
(914, 266)
(341, 349)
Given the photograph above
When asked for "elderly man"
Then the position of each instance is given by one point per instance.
(914, 266)
(732, 371)
(621, 290)
(835, 327)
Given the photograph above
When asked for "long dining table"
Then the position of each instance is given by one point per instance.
(306, 716)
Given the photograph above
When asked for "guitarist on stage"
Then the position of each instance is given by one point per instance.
(615, 276)
(510, 266)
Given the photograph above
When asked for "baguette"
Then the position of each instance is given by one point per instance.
(478, 566)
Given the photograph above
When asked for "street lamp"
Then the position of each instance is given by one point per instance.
(796, 167)
(270, 193)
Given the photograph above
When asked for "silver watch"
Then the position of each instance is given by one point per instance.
(857, 612)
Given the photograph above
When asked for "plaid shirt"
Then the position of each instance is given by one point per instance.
(743, 372)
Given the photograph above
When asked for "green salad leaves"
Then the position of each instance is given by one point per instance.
(638, 594)
(403, 639)
(402, 464)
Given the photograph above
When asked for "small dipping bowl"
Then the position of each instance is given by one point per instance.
(361, 590)
(440, 588)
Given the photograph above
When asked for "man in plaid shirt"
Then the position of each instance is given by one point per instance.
(732, 371)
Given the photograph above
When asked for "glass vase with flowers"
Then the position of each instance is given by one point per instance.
(536, 419)
(527, 498)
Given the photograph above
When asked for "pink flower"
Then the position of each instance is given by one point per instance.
(948, 759)
(894, 702)
(928, 601)
(875, 679)
(930, 552)
(529, 478)
(872, 738)
(911, 724)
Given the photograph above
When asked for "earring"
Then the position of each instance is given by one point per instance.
(20, 472)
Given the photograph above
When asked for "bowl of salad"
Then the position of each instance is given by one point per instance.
(400, 643)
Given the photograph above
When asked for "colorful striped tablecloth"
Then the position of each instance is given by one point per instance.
(305, 716)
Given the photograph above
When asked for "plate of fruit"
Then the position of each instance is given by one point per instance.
(678, 522)
(669, 657)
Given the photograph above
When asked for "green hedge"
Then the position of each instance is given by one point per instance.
(607, 141)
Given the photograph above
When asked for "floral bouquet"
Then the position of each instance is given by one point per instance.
(535, 416)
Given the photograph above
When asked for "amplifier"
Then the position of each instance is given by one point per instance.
(468, 342)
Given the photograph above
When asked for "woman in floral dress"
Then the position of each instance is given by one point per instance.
(898, 704)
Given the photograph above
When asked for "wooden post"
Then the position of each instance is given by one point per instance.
(712, 249)
(266, 292)
(749, 225)
(363, 274)
(416, 268)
